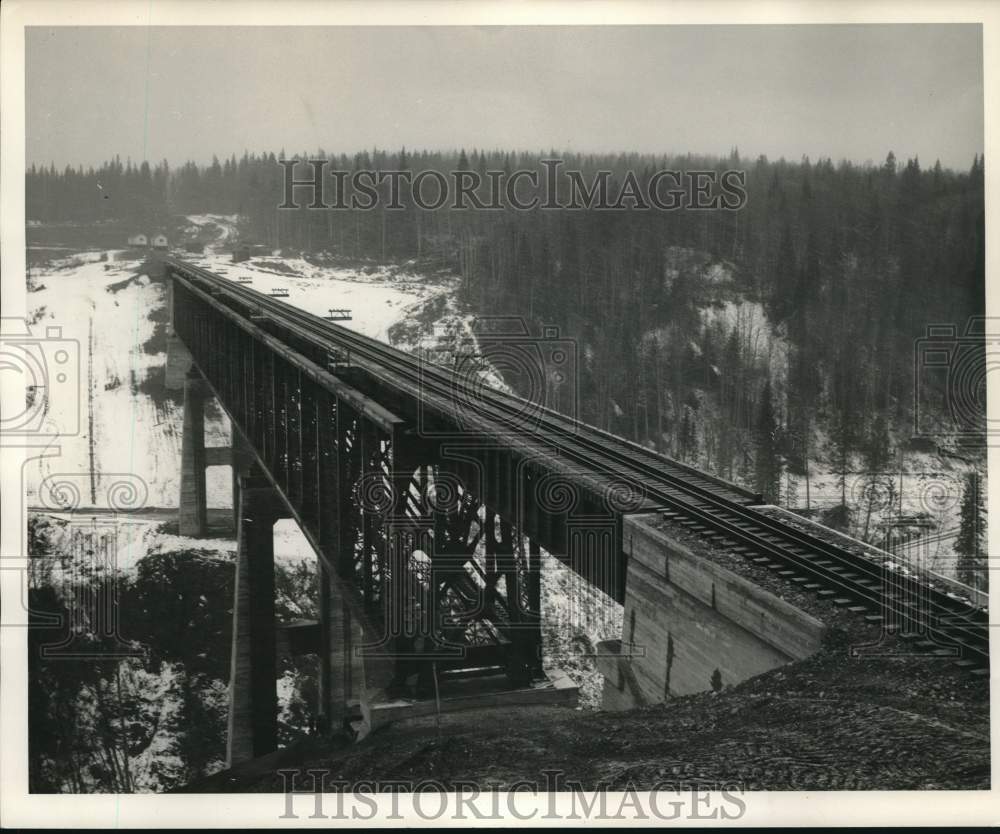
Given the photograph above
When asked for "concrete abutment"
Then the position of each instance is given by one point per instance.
(691, 625)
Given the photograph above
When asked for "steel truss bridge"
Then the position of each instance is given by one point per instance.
(429, 495)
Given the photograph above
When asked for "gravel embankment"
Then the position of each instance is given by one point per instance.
(826, 723)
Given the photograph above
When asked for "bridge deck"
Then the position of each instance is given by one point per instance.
(454, 407)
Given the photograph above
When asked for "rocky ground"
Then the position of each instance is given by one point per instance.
(827, 723)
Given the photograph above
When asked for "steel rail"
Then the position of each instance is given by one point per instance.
(856, 577)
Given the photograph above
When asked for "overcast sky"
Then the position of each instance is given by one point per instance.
(184, 93)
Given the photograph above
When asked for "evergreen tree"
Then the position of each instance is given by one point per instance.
(970, 546)
(767, 460)
(688, 435)
(877, 456)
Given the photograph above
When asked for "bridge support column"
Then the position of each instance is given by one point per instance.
(326, 718)
(253, 700)
(519, 665)
(242, 464)
(341, 670)
(192, 518)
(178, 362)
(534, 617)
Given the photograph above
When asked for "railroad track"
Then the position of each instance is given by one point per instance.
(722, 513)
(575, 441)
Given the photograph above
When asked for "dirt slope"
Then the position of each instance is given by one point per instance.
(827, 723)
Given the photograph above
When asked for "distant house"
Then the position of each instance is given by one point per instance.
(244, 251)
(138, 240)
(160, 241)
(194, 246)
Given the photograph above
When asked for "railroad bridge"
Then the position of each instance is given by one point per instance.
(429, 497)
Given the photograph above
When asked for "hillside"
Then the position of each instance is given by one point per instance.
(826, 723)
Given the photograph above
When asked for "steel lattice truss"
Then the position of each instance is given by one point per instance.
(425, 556)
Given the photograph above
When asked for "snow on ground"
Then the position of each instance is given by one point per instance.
(377, 296)
(109, 542)
(377, 300)
(112, 432)
(929, 488)
(757, 339)
(125, 539)
(222, 226)
(290, 546)
(117, 440)
(111, 436)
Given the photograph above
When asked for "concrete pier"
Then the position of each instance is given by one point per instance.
(341, 682)
(253, 700)
(193, 506)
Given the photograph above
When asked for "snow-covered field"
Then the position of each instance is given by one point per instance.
(376, 301)
(108, 430)
(376, 296)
